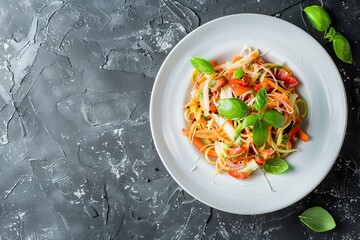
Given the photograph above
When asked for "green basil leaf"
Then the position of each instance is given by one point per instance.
(201, 94)
(202, 65)
(238, 73)
(318, 17)
(342, 48)
(249, 121)
(275, 166)
(274, 118)
(318, 219)
(232, 108)
(261, 100)
(260, 133)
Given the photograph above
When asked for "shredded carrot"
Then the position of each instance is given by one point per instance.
(272, 84)
(199, 145)
(303, 136)
(237, 58)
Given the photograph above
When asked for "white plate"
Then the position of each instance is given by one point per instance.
(321, 86)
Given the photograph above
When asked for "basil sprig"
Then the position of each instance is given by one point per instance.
(318, 219)
(320, 19)
(262, 119)
(232, 108)
(275, 166)
(202, 65)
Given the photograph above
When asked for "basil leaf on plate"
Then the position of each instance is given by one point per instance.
(318, 219)
(261, 100)
(260, 133)
(238, 73)
(249, 121)
(232, 108)
(274, 118)
(275, 166)
(202, 65)
(318, 17)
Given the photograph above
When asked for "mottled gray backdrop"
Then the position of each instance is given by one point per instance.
(77, 160)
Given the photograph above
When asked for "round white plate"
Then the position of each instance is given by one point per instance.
(321, 86)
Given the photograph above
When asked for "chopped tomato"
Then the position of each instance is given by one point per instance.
(239, 90)
(218, 84)
(244, 81)
(292, 133)
(297, 121)
(259, 160)
(266, 153)
(213, 108)
(237, 174)
(289, 80)
(257, 87)
(236, 154)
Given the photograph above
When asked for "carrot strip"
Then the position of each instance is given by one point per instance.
(272, 84)
(199, 145)
(237, 58)
(303, 136)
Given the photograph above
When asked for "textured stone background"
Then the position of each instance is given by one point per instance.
(77, 159)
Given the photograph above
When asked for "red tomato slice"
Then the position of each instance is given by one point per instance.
(292, 133)
(213, 108)
(259, 160)
(289, 80)
(238, 82)
(257, 87)
(239, 90)
(218, 84)
(237, 174)
(238, 153)
(267, 153)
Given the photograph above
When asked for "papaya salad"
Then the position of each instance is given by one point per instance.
(244, 114)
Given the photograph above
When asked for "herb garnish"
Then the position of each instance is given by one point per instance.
(320, 19)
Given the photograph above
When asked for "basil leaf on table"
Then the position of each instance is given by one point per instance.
(232, 108)
(261, 100)
(238, 73)
(260, 133)
(342, 48)
(249, 121)
(274, 118)
(275, 166)
(202, 65)
(318, 219)
(318, 17)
